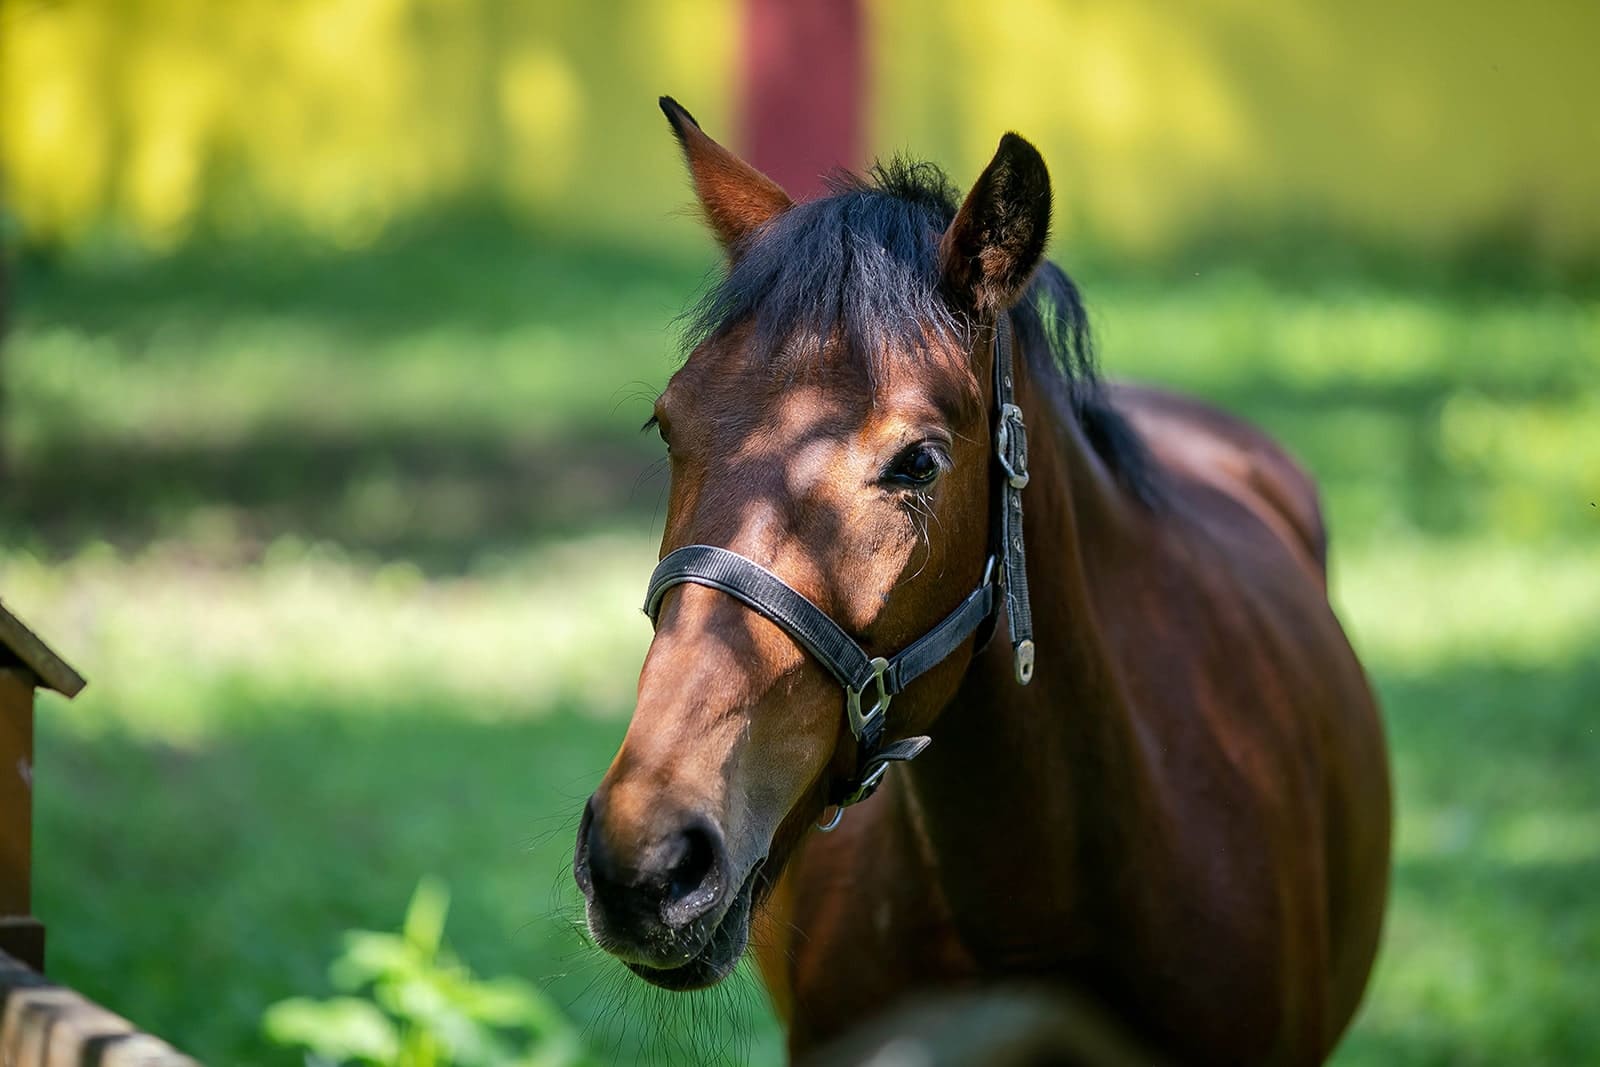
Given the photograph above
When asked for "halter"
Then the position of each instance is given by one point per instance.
(842, 656)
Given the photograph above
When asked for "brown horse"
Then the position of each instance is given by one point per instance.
(1183, 821)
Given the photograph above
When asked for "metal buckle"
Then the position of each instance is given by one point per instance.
(859, 726)
(868, 786)
(1011, 446)
(852, 700)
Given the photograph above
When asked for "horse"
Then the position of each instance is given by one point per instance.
(909, 527)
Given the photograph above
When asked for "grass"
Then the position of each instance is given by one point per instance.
(315, 527)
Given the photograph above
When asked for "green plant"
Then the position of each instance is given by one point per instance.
(423, 1006)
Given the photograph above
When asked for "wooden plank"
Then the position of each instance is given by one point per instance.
(53, 671)
(46, 1025)
(16, 790)
(20, 933)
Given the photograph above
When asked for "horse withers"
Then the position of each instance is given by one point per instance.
(1066, 645)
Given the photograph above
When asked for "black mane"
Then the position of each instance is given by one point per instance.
(861, 266)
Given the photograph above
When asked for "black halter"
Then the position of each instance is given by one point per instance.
(842, 655)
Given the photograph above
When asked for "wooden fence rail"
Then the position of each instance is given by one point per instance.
(46, 1025)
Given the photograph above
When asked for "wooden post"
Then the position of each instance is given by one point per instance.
(5, 307)
(25, 664)
(21, 934)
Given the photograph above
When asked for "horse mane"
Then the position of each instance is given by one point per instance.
(861, 266)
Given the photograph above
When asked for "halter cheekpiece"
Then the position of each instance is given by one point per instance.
(877, 679)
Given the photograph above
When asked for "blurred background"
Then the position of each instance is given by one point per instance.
(330, 326)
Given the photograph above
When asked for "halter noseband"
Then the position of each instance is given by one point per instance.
(842, 656)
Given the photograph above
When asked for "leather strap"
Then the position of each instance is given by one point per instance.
(939, 643)
(772, 597)
(1011, 454)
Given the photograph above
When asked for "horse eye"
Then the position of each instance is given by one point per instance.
(915, 468)
(654, 423)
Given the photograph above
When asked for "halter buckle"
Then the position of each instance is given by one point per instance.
(863, 790)
(860, 725)
(868, 786)
(1011, 446)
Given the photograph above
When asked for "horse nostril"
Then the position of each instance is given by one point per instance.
(580, 854)
(690, 870)
(673, 881)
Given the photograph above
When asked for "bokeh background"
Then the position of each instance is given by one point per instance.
(331, 325)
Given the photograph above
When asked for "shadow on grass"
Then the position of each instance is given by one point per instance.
(1486, 961)
(1502, 736)
(443, 502)
(1492, 944)
(468, 267)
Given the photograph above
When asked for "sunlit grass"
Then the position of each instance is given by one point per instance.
(167, 638)
(1419, 605)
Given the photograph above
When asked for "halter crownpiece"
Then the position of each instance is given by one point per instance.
(1005, 577)
(1011, 452)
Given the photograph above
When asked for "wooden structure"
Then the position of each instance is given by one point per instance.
(26, 664)
(43, 1024)
(46, 1025)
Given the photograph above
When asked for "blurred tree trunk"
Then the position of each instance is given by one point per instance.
(5, 321)
(803, 86)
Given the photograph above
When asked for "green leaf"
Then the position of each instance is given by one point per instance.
(424, 925)
(427, 1009)
(340, 1030)
(373, 957)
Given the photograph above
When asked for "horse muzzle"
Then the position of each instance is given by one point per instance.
(668, 905)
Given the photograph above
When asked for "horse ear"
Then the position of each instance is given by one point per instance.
(735, 196)
(997, 239)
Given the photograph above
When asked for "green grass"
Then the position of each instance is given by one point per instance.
(315, 527)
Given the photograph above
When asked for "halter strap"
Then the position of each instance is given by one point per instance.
(1011, 452)
(828, 643)
(839, 653)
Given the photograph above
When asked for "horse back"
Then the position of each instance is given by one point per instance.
(1222, 450)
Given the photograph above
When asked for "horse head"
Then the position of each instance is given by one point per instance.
(832, 427)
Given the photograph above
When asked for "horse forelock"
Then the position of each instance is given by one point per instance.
(855, 276)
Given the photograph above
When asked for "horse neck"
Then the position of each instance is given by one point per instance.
(1025, 791)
